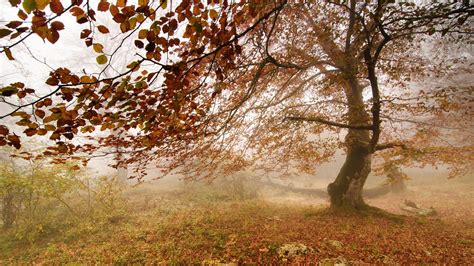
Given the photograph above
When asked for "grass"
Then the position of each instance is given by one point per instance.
(208, 228)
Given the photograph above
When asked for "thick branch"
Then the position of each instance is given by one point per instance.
(327, 122)
(390, 145)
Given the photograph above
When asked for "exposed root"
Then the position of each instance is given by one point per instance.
(367, 210)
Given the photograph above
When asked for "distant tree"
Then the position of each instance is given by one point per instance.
(270, 84)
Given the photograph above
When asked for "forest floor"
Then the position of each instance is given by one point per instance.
(208, 227)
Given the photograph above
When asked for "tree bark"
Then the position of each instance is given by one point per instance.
(346, 190)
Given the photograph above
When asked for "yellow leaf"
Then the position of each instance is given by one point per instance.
(164, 3)
(140, 18)
(101, 59)
(133, 23)
(29, 5)
(42, 4)
(213, 14)
(134, 66)
(142, 34)
(86, 79)
(142, 2)
(98, 48)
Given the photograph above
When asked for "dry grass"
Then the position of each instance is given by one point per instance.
(203, 226)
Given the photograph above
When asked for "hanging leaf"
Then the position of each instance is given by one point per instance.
(8, 91)
(53, 36)
(101, 59)
(57, 25)
(103, 29)
(41, 4)
(22, 14)
(14, 24)
(5, 32)
(56, 6)
(30, 132)
(14, 2)
(139, 44)
(213, 14)
(164, 4)
(39, 113)
(134, 66)
(98, 48)
(29, 5)
(103, 6)
(121, 3)
(8, 53)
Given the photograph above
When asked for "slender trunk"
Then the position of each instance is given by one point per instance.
(397, 179)
(346, 190)
(8, 209)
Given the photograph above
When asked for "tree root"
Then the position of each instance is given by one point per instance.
(368, 211)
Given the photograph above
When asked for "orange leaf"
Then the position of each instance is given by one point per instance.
(103, 29)
(56, 6)
(103, 6)
(121, 3)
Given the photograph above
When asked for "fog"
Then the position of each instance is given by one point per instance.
(236, 132)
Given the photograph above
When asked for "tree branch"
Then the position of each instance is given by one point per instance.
(390, 145)
(327, 122)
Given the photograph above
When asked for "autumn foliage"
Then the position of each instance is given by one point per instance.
(216, 86)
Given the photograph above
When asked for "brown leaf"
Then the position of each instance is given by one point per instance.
(103, 6)
(53, 36)
(40, 113)
(103, 29)
(30, 132)
(14, 24)
(4, 130)
(22, 15)
(8, 53)
(57, 25)
(5, 32)
(56, 6)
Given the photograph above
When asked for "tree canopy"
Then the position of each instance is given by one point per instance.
(216, 86)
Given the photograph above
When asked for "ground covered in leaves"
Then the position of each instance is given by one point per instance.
(211, 228)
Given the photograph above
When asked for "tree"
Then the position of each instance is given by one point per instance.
(227, 85)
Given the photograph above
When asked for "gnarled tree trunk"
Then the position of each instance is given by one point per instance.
(346, 190)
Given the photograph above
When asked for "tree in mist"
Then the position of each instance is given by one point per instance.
(227, 85)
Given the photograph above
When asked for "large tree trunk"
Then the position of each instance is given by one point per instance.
(346, 190)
